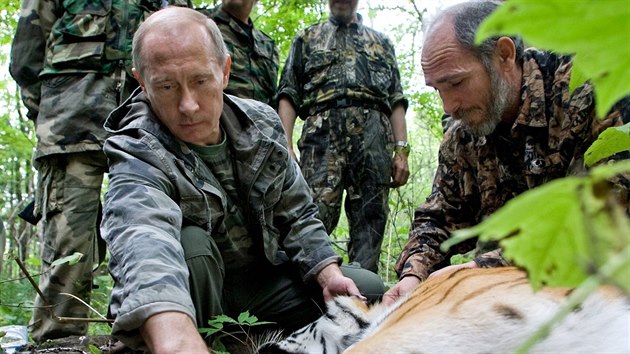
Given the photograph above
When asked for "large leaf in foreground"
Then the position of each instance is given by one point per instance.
(533, 229)
(582, 28)
(561, 230)
(609, 142)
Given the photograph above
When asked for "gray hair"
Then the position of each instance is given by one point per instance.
(466, 18)
(176, 17)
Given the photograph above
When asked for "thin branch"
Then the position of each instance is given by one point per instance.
(50, 308)
(86, 304)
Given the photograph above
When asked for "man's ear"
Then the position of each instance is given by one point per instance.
(226, 71)
(506, 52)
(139, 79)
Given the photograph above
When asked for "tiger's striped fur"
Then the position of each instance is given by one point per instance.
(466, 311)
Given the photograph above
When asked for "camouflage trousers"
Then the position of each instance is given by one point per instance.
(69, 200)
(350, 149)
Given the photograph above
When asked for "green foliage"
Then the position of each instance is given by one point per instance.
(100, 299)
(93, 349)
(609, 142)
(218, 328)
(282, 19)
(461, 258)
(16, 298)
(570, 227)
(71, 260)
(596, 31)
(9, 13)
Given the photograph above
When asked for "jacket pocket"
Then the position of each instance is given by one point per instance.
(379, 74)
(195, 211)
(319, 69)
(78, 38)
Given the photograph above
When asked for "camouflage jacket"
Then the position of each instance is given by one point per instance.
(328, 62)
(254, 72)
(56, 39)
(157, 184)
(478, 175)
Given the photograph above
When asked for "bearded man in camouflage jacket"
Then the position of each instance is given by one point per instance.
(342, 78)
(254, 54)
(206, 212)
(515, 126)
(72, 61)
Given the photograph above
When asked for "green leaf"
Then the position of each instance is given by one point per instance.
(222, 319)
(244, 317)
(607, 230)
(216, 327)
(462, 258)
(541, 230)
(71, 260)
(34, 262)
(93, 349)
(260, 323)
(609, 170)
(609, 142)
(596, 31)
(578, 77)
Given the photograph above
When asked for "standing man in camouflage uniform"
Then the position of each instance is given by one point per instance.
(206, 212)
(254, 55)
(341, 77)
(515, 126)
(72, 61)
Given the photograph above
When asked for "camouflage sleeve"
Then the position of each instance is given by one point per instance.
(451, 206)
(491, 259)
(303, 235)
(141, 226)
(396, 95)
(306, 241)
(29, 48)
(274, 77)
(292, 74)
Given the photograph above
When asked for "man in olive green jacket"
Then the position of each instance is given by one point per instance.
(207, 213)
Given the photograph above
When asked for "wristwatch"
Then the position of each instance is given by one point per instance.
(402, 147)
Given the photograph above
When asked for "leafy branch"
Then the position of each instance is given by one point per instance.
(218, 324)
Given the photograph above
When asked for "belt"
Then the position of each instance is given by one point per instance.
(348, 102)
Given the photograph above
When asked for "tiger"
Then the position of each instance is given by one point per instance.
(467, 310)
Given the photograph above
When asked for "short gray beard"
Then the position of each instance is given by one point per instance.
(500, 93)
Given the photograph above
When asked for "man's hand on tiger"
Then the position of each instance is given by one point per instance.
(402, 288)
(334, 283)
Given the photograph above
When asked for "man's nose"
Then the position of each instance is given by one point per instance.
(188, 102)
(449, 103)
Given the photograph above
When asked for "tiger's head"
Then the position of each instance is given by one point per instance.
(344, 322)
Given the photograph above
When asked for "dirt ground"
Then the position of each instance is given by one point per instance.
(99, 344)
(78, 345)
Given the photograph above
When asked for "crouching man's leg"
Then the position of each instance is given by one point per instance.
(207, 272)
(277, 294)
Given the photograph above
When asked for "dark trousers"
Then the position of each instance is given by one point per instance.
(271, 293)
